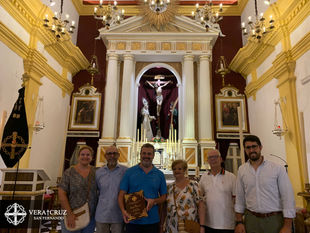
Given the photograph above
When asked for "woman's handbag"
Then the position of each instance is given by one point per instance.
(82, 213)
(191, 226)
(82, 218)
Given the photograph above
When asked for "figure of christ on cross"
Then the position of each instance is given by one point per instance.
(158, 85)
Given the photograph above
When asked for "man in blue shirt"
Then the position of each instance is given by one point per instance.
(144, 176)
(108, 214)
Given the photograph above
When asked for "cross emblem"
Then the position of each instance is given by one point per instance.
(15, 143)
(15, 214)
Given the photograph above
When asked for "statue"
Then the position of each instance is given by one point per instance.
(146, 122)
(158, 85)
(173, 114)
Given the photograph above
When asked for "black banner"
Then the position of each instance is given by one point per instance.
(15, 137)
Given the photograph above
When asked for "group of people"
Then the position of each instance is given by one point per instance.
(259, 200)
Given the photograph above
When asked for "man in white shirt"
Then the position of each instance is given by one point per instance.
(218, 189)
(264, 194)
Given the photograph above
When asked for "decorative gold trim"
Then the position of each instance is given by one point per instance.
(133, 10)
(29, 14)
(257, 84)
(13, 41)
(107, 138)
(33, 60)
(22, 193)
(289, 15)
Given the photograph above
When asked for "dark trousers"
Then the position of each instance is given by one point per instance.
(142, 228)
(211, 230)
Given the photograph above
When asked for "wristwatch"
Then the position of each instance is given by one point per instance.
(239, 222)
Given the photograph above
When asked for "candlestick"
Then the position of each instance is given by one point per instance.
(197, 170)
(175, 140)
(241, 134)
(144, 135)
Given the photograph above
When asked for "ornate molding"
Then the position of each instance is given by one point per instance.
(253, 54)
(133, 10)
(12, 41)
(257, 84)
(29, 14)
(34, 61)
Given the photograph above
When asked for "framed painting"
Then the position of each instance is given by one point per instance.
(85, 109)
(227, 103)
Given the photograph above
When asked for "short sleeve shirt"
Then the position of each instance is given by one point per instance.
(153, 185)
(218, 192)
(108, 182)
(76, 187)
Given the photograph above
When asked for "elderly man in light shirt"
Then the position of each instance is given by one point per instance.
(218, 189)
(264, 194)
(108, 216)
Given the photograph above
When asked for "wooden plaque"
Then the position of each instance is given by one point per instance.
(135, 205)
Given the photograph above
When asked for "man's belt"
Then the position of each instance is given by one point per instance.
(264, 215)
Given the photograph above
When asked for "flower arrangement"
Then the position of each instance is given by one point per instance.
(157, 139)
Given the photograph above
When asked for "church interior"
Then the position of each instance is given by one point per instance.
(185, 77)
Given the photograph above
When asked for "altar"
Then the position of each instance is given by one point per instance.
(158, 66)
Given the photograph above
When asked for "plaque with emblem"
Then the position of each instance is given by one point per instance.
(135, 205)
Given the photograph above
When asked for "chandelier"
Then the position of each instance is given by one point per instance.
(58, 26)
(206, 16)
(157, 6)
(258, 28)
(108, 14)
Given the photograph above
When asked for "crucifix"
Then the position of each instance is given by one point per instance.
(158, 85)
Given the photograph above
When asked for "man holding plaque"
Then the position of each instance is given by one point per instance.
(108, 214)
(142, 188)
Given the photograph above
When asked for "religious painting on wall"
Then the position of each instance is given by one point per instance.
(85, 109)
(226, 104)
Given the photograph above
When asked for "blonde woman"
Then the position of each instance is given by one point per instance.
(183, 200)
(78, 186)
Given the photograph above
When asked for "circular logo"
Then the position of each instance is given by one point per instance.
(15, 214)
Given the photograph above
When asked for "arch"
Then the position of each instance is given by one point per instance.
(137, 83)
(154, 65)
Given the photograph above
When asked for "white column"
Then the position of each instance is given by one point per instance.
(126, 115)
(204, 99)
(189, 101)
(111, 100)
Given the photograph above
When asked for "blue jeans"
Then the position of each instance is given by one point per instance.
(90, 228)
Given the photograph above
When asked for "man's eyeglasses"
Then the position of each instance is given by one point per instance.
(112, 153)
(213, 157)
(251, 147)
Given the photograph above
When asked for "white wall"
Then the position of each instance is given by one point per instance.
(48, 144)
(261, 117)
(12, 68)
(302, 73)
